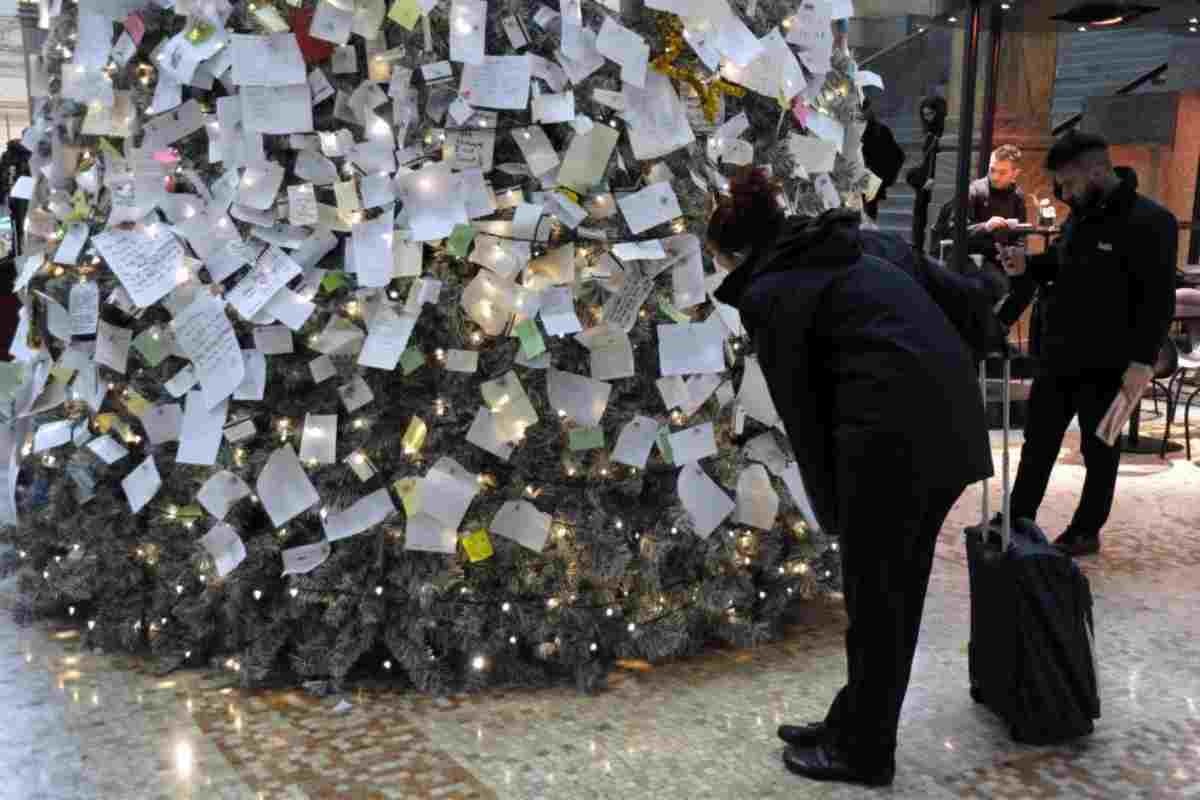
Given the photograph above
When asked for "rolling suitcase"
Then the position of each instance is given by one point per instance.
(1031, 646)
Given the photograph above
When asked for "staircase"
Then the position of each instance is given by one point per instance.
(1090, 64)
(1097, 63)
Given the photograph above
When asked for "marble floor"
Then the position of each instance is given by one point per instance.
(82, 725)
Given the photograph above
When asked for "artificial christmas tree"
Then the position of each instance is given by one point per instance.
(426, 378)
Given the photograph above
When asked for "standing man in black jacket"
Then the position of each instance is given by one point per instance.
(1113, 271)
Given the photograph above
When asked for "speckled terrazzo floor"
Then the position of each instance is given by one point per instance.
(80, 725)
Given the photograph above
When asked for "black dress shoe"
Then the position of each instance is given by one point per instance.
(823, 763)
(803, 735)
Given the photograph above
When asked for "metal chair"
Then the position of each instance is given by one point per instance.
(1189, 361)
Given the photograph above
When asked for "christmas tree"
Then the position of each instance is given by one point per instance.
(381, 340)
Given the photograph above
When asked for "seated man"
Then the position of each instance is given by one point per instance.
(993, 203)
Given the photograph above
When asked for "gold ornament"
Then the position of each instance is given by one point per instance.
(709, 91)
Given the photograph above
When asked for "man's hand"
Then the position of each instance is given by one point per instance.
(995, 224)
(1137, 377)
(1013, 260)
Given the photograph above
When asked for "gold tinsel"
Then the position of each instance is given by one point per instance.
(709, 91)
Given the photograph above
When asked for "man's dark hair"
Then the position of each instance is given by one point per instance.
(1071, 147)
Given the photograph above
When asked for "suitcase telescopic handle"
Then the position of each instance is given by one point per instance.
(1006, 416)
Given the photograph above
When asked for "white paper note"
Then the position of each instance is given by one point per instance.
(220, 492)
(85, 308)
(387, 339)
(497, 82)
(206, 336)
(425, 533)
(691, 348)
(649, 207)
(272, 272)
(635, 441)
(142, 484)
(582, 399)
(693, 444)
(148, 261)
(626, 48)
(304, 559)
(112, 346)
(319, 440)
(757, 502)
(225, 547)
(520, 521)
(284, 487)
(468, 24)
(162, 423)
(277, 109)
(108, 449)
(200, 433)
(705, 501)
(362, 515)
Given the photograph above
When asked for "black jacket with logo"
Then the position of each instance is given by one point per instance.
(1113, 293)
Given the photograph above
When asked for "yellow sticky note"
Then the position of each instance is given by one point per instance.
(105, 422)
(407, 489)
(414, 437)
(136, 403)
(478, 545)
(405, 13)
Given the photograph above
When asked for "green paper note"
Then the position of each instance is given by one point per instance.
(459, 243)
(532, 344)
(664, 444)
(107, 148)
(333, 280)
(412, 360)
(586, 438)
(152, 344)
(405, 13)
(672, 312)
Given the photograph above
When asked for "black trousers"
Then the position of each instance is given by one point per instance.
(889, 529)
(1055, 400)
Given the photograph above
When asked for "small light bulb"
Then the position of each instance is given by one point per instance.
(609, 612)
(258, 594)
(387, 664)
(293, 592)
(632, 627)
(478, 663)
(91, 624)
(512, 640)
(378, 591)
(506, 607)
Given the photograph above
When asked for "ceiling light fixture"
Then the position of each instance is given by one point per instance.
(1104, 15)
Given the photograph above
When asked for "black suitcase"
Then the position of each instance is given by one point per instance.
(1031, 647)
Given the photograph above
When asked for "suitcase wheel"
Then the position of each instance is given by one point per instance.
(976, 695)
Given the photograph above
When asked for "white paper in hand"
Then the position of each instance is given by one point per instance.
(284, 487)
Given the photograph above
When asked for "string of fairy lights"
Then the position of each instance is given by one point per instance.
(659, 606)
